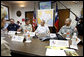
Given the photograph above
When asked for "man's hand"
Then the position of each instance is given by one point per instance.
(19, 30)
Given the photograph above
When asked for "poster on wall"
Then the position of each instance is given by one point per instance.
(45, 5)
(6, 8)
(47, 15)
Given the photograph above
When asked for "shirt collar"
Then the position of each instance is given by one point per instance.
(67, 26)
(26, 25)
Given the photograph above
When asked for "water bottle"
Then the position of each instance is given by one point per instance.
(28, 36)
(74, 37)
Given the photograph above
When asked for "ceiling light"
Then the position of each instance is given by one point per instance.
(22, 5)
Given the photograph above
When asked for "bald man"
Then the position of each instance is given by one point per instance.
(42, 29)
(67, 28)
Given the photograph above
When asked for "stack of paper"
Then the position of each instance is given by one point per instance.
(59, 43)
(17, 38)
(11, 33)
(32, 34)
(18, 32)
(74, 46)
(56, 48)
(53, 52)
(70, 52)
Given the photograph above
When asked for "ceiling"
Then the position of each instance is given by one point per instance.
(12, 3)
(25, 3)
(18, 2)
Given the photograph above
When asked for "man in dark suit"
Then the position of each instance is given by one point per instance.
(12, 26)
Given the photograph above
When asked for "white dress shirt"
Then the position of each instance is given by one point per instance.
(42, 29)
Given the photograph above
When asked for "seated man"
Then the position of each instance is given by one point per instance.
(42, 29)
(12, 26)
(27, 26)
(67, 28)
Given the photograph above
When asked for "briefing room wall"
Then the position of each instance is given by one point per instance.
(29, 7)
(23, 10)
(74, 7)
(14, 8)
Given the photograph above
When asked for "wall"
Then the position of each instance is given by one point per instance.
(14, 8)
(29, 7)
(76, 8)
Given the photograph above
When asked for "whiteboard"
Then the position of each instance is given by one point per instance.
(47, 15)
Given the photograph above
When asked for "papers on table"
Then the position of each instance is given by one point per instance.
(53, 52)
(18, 32)
(11, 33)
(70, 52)
(32, 33)
(74, 46)
(17, 38)
(56, 48)
(78, 40)
(52, 35)
(59, 43)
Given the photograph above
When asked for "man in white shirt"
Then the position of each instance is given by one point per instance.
(42, 30)
(27, 27)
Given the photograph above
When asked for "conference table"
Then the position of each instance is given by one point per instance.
(35, 48)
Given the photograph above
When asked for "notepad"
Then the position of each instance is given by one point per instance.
(74, 47)
(11, 32)
(59, 43)
(32, 34)
(53, 52)
(17, 38)
(18, 32)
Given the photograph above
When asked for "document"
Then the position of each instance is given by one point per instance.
(71, 52)
(53, 35)
(11, 32)
(59, 43)
(32, 34)
(78, 40)
(56, 48)
(18, 32)
(17, 38)
(74, 47)
(53, 52)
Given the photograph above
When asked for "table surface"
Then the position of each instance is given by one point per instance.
(36, 47)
